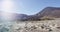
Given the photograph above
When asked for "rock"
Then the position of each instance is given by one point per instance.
(38, 26)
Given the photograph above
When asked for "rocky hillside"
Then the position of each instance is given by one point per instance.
(50, 12)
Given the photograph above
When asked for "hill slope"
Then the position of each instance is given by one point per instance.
(50, 12)
(46, 12)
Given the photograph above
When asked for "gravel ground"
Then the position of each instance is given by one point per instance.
(36, 26)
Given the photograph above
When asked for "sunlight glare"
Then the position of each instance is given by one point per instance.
(7, 6)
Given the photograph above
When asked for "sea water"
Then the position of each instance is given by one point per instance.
(5, 25)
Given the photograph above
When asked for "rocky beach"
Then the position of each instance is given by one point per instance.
(37, 26)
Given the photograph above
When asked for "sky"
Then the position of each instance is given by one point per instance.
(28, 7)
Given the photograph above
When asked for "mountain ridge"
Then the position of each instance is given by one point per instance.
(50, 12)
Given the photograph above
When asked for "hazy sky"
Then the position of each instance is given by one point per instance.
(27, 6)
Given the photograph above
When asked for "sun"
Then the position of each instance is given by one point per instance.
(7, 5)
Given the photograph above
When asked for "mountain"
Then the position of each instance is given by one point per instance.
(50, 12)
(47, 13)
(21, 16)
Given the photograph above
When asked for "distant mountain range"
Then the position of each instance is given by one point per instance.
(51, 12)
